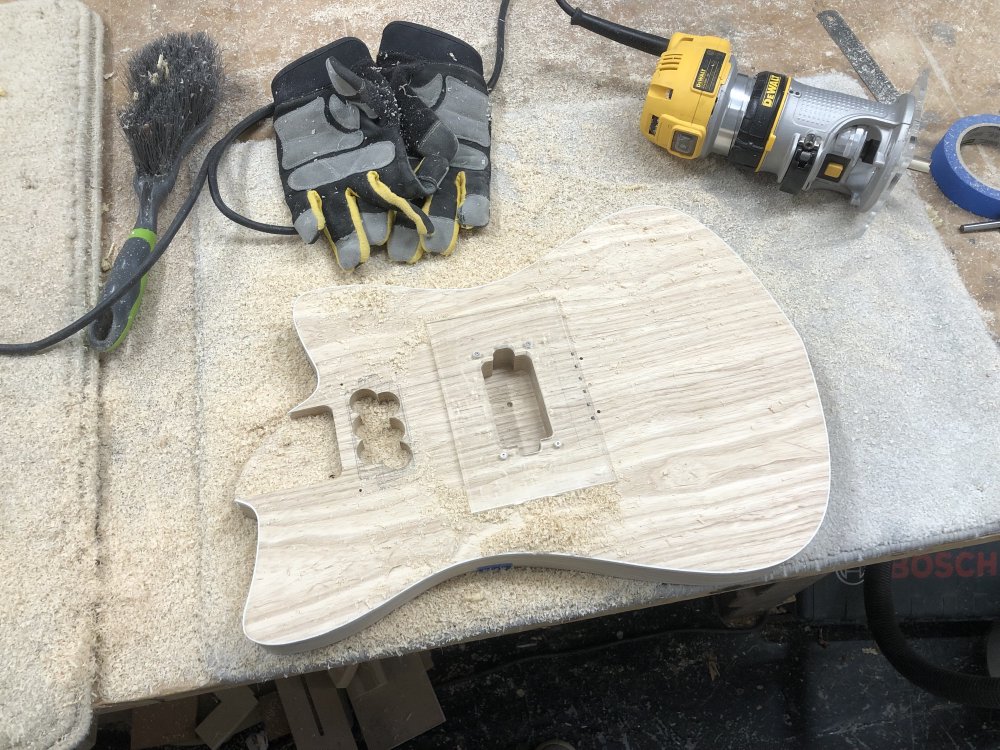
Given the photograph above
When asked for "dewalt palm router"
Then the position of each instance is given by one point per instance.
(698, 103)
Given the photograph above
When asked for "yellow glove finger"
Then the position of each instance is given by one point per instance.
(442, 209)
(341, 224)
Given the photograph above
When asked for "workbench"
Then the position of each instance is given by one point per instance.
(213, 364)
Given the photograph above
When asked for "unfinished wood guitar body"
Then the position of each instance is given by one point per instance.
(634, 404)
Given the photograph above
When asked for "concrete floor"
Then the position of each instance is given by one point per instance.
(957, 43)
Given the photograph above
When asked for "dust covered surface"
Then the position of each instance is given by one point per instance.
(905, 366)
(873, 310)
(50, 137)
(571, 523)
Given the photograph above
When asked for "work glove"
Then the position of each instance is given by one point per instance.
(435, 74)
(341, 153)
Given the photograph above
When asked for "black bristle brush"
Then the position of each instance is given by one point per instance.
(173, 85)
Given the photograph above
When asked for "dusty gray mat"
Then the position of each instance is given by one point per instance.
(50, 177)
(149, 616)
(907, 372)
(909, 376)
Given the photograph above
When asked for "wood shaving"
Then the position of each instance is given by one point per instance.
(301, 453)
(380, 432)
(575, 522)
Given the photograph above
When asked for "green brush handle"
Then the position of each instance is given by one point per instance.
(109, 330)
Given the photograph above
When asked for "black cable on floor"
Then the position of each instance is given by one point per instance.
(213, 175)
(970, 689)
(207, 167)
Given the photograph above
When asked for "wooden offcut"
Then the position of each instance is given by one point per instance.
(394, 701)
(634, 404)
(342, 676)
(226, 719)
(316, 712)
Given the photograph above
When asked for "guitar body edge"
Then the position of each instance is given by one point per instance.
(634, 404)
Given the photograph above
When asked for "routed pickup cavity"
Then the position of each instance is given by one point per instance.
(516, 400)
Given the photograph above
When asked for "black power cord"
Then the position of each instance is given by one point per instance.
(213, 176)
(162, 243)
(501, 43)
(970, 689)
(640, 40)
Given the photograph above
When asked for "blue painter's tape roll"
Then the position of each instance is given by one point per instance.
(954, 178)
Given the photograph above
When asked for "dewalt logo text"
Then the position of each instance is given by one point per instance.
(771, 91)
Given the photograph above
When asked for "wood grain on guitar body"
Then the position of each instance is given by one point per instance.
(634, 404)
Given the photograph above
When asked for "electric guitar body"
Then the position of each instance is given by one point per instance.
(634, 404)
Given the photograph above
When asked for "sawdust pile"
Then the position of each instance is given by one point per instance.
(381, 432)
(576, 522)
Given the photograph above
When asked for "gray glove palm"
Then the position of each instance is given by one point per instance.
(436, 76)
(341, 153)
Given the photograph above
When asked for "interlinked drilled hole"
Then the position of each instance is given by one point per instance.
(380, 430)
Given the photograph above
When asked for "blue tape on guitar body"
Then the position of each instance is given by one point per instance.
(953, 177)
